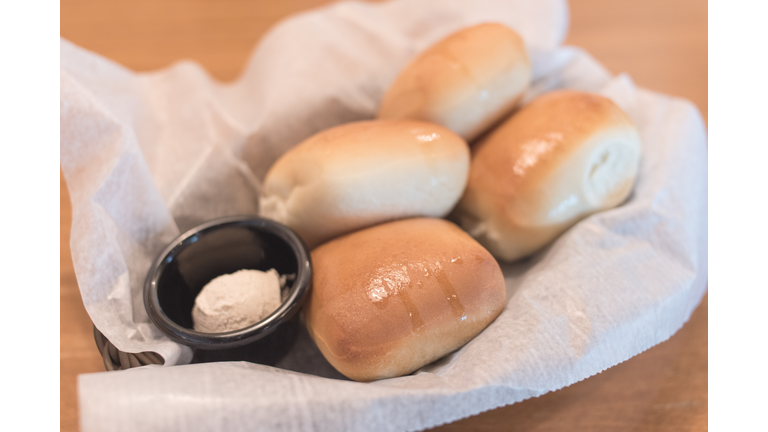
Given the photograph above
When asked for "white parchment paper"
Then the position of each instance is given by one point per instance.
(149, 155)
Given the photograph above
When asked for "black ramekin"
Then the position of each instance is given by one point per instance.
(219, 247)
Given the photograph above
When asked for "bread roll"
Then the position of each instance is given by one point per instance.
(562, 157)
(465, 82)
(360, 174)
(390, 299)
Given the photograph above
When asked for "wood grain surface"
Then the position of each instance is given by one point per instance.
(661, 44)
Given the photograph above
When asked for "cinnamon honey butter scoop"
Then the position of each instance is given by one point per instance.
(390, 299)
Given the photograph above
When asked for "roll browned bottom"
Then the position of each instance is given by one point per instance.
(561, 158)
(390, 299)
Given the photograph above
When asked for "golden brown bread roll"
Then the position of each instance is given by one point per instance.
(360, 174)
(466, 82)
(562, 157)
(390, 299)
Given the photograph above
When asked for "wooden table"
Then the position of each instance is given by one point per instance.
(662, 45)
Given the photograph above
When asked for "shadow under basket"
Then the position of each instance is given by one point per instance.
(267, 351)
(114, 359)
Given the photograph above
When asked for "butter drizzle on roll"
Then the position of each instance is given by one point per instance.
(562, 157)
(364, 173)
(390, 299)
(466, 82)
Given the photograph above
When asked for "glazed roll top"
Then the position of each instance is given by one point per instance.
(465, 82)
(390, 299)
(360, 174)
(562, 157)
